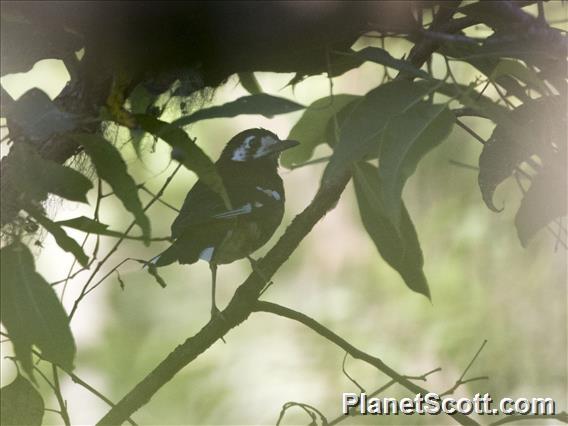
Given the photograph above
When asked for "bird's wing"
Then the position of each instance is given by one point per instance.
(200, 207)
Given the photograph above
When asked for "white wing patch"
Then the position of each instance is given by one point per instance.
(270, 193)
(207, 254)
(246, 209)
(241, 153)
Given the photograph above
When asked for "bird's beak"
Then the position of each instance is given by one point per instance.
(283, 145)
(275, 148)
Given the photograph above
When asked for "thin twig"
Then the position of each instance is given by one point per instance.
(380, 390)
(461, 380)
(59, 396)
(470, 131)
(351, 379)
(119, 242)
(262, 306)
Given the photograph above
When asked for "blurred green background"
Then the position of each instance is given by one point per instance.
(484, 286)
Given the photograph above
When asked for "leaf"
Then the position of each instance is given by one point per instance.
(91, 226)
(186, 152)
(519, 71)
(44, 176)
(21, 404)
(361, 130)
(381, 56)
(24, 42)
(398, 245)
(531, 129)
(38, 118)
(152, 270)
(83, 223)
(407, 138)
(263, 104)
(61, 238)
(31, 312)
(544, 201)
(343, 62)
(111, 167)
(250, 83)
(310, 128)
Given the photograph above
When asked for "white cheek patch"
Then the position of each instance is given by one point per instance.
(242, 152)
(265, 144)
(270, 193)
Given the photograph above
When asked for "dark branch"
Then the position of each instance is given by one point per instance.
(240, 306)
(282, 311)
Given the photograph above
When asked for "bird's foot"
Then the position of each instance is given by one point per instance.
(217, 315)
(262, 275)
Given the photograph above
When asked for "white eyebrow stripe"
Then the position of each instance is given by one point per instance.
(270, 193)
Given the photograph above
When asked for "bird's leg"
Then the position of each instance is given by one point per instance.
(215, 312)
(258, 271)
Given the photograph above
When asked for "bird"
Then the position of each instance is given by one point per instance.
(206, 230)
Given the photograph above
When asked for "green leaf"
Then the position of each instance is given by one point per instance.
(91, 226)
(152, 270)
(38, 118)
(381, 56)
(83, 223)
(44, 176)
(111, 167)
(250, 83)
(343, 62)
(21, 404)
(519, 71)
(263, 104)
(398, 245)
(61, 238)
(310, 128)
(534, 128)
(544, 201)
(31, 312)
(407, 138)
(361, 130)
(186, 152)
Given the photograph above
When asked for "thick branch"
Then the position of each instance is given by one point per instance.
(240, 306)
(282, 311)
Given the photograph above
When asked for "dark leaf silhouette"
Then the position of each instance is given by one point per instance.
(44, 176)
(361, 130)
(38, 118)
(263, 104)
(111, 167)
(61, 238)
(310, 128)
(397, 243)
(91, 226)
(186, 152)
(21, 404)
(31, 312)
(406, 139)
(250, 83)
(544, 201)
(534, 128)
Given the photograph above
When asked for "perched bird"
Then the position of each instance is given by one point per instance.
(205, 229)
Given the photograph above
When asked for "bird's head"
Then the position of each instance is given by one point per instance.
(254, 145)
